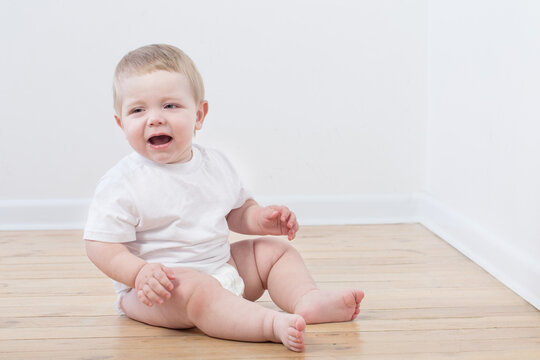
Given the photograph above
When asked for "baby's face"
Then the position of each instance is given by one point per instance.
(159, 115)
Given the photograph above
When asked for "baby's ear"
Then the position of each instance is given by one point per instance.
(201, 114)
(118, 121)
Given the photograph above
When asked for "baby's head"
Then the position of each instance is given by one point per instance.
(159, 102)
(150, 58)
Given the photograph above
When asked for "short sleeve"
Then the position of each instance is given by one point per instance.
(112, 216)
(242, 194)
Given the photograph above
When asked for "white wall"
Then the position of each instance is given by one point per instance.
(325, 103)
(306, 97)
(483, 153)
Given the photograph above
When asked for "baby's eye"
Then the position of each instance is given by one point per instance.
(171, 106)
(136, 110)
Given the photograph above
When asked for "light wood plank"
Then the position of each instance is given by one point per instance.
(424, 300)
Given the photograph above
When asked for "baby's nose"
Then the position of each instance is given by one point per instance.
(155, 120)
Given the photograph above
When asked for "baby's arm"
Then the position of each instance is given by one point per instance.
(152, 281)
(253, 219)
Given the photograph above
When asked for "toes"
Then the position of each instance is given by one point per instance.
(358, 295)
(300, 324)
(296, 344)
(295, 334)
(296, 341)
(297, 325)
(355, 314)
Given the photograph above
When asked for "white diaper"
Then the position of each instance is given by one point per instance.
(228, 277)
(226, 274)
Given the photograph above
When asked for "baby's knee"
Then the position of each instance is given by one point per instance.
(271, 242)
(268, 251)
(273, 245)
(194, 292)
(189, 281)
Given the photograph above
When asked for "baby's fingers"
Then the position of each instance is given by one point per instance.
(154, 292)
(285, 213)
(143, 298)
(292, 223)
(270, 213)
(158, 292)
(168, 272)
(288, 222)
(292, 234)
(164, 278)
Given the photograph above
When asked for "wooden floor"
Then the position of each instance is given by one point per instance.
(424, 300)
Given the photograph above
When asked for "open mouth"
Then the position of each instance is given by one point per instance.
(159, 140)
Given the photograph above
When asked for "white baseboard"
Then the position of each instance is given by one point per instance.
(47, 214)
(518, 271)
(348, 209)
(53, 214)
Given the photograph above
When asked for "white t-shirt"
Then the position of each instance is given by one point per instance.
(173, 214)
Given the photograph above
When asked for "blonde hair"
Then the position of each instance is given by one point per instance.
(150, 58)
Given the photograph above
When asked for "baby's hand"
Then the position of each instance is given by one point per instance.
(153, 284)
(278, 220)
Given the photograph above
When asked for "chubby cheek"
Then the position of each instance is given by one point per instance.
(134, 135)
(185, 128)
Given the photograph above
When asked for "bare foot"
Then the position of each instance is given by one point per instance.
(322, 306)
(290, 330)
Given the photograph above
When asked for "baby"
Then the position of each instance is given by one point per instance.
(159, 221)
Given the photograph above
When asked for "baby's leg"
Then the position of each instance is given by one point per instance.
(199, 300)
(272, 264)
